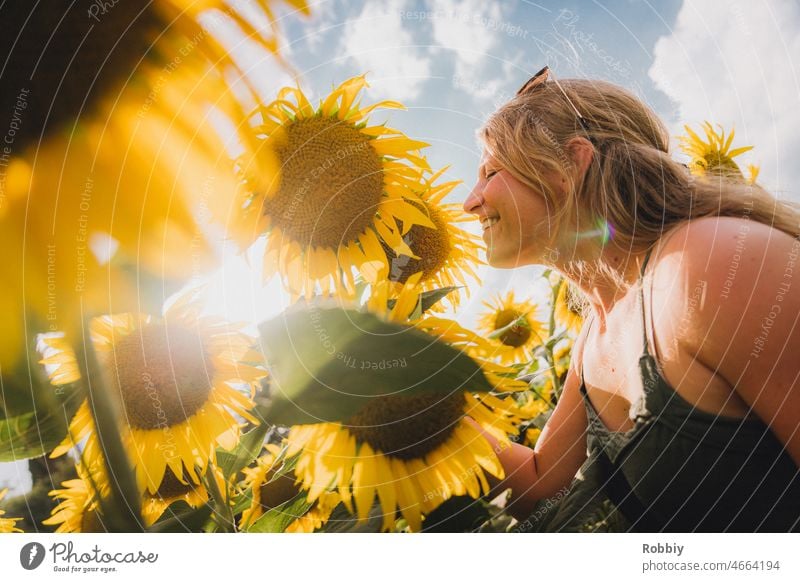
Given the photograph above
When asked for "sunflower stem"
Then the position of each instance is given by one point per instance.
(223, 514)
(521, 321)
(105, 408)
(547, 347)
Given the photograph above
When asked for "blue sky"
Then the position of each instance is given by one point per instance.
(452, 63)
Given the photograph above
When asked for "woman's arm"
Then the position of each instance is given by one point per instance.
(534, 474)
(747, 328)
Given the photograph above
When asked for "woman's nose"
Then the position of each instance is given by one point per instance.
(474, 201)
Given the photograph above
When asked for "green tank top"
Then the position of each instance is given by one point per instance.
(681, 469)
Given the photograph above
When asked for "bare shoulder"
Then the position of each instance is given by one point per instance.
(734, 286)
(731, 263)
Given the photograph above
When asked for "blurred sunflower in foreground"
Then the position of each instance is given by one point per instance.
(270, 488)
(344, 188)
(176, 376)
(715, 156)
(445, 254)
(8, 524)
(515, 325)
(110, 145)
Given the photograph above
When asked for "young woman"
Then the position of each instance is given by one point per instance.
(682, 404)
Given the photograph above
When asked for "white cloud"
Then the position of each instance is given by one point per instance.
(734, 64)
(467, 27)
(379, 40)
(324, 22)
(470, 31)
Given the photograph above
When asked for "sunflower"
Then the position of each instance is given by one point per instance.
(412, 468)
(79, 509)
(412, 451)
(8, 524)
(531, 436)
(343, 189)
(175, 376)
(173, 489)
(270, 489)
(715, 156)
(402, 304)
(562, 356)
(445, 254)
(523, 331)
(567, 307)
(117, 169)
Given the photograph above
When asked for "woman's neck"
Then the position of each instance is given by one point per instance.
(605, 276)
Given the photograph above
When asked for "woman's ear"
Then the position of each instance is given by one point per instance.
(581, 152)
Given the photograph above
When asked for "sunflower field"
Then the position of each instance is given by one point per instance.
(364, 406)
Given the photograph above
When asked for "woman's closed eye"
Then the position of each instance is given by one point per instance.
(490, 173)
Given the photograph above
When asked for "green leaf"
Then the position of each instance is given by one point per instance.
(246, 451)
(325, 363)
(38, 432)
(521, 321)
(277, 519)
(342, 521)
(427, 300)
(457, 515)
(180, 517)
(242, 501)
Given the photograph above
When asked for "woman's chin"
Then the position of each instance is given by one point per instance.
(499, 260)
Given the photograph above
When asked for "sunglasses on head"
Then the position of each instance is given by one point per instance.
(539, 79)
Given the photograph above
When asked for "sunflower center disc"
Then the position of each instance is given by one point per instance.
(407, 427)
(517, 335)
(163, 375)
(277, 491)
(331, 183)
(431, 245)
(721, 164)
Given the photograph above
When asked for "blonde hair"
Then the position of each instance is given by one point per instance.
(632, 183)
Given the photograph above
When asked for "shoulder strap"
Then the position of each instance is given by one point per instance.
(641, 301)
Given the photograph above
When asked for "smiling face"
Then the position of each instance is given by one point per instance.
(517, 223)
